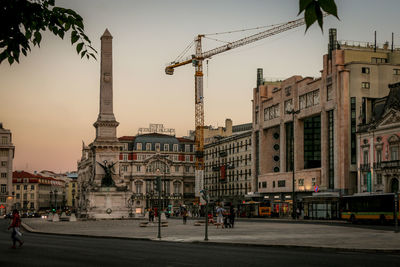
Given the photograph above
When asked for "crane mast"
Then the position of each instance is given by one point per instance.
(197, 62)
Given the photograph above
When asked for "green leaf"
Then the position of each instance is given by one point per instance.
(329, 6)
(83, 53)
(67, 26)
(61, 33)
(74, 39)
(38, 37)
(310, 15)
(79, 47)
(93, 56)
(319, 16)
(10, 60)
(303, 5)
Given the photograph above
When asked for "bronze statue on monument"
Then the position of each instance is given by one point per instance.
(107, 180)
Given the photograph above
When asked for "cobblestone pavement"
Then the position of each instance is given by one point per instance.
(251, 233)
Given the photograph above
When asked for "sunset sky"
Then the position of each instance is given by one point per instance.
(50, 100)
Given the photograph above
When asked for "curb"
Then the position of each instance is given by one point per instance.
(312, 248)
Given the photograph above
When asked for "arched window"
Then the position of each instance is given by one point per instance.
(160, 165)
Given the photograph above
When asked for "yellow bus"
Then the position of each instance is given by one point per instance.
(373, 207)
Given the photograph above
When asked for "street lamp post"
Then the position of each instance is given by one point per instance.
(159, 202)
(51, 199)
(294, 200)
(55, 198)
(396, 208)
(73, 200)
(205, 196)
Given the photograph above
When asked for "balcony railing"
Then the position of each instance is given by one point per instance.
(387, 164)
(365, 167)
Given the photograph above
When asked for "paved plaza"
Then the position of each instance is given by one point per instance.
(245, 232)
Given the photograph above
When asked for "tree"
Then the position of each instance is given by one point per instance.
(313, 10)
(24, 20)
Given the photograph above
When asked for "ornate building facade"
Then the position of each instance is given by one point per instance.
(378, 143)
(145, 157)
(7, 151)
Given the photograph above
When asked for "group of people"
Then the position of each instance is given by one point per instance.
(224, 218)
(15, 226)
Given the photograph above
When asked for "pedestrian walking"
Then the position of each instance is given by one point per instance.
(16, 234)
(220, 215)
(184, 216)
(232, 216)
(151, 215)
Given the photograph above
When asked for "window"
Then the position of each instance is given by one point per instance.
(281, 183)
(4, 140)
(4, 164)
(139, 146)
(313, 181)
(378, 156)
(176, 168)
(177, 187)
(394, 153)
(18, 196)
(353, 136)
(289, 146)
(3, 152)
(365, 179)
(271, 112)
(158, 146)
(312, 142)
(25, 187)
(139, 187)
(396, 71)
(2, 199)
(378, 60)
(32, 187)
(125, 157)
(187, 158)
(365, 157)
(3, 175)
(166, 147)
(331, 155)
(148, 146)
(329, 92)
(187, 148)
(175, 147)
(365, 70)
(264, 184)
(378, 178)
(18, 187)
(187, 168)
(175, 157)
(273, 183)
(124, 168)
(301, 182)
(365, 85)
(288, 105)
(3, 188)
(310, 99)
(138, 168)
(32, 196)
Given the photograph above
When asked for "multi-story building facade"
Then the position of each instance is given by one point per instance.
(34, 192)
(7, 150)
(145, 157)
(378, 143)
(227, 174)
(304, 129)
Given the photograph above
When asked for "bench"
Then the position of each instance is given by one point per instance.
(143, 224)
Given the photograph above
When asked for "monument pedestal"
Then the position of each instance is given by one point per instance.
(109, 204)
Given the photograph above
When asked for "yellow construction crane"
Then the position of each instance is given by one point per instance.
(197, 61)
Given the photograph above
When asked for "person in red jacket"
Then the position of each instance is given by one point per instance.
(16, 234)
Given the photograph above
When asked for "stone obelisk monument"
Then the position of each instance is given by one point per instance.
(107, 198)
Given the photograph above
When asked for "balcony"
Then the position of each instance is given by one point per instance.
(390, 164)
(366, 167)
